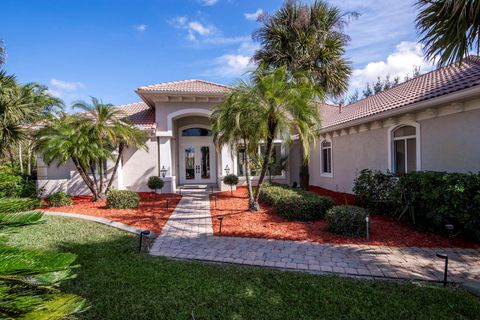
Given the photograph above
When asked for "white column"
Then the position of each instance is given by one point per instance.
(225, 159)
(120, 185)
(167, 163)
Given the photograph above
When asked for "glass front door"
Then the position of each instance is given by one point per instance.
(197, 163)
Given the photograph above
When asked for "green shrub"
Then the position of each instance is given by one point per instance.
(231, 180)
(155, 183)
(347, 220)
(296, 204)
(427, 200)
(12, 205)
(14, 185)
(59, 199)
(376, 190)
(122, 199)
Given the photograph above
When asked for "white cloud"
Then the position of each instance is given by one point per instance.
(209, 2)
(254, 15)
(54, 93)
(66, 86)
(407, 55)
(141, 27)
(234, 64)
(194, 28)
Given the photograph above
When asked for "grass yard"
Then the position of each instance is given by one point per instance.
(121, 284)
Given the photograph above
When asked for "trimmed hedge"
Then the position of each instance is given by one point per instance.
(59, 199)
(155, 183)
(122, 199)
(231, 180)
(296, 204)
(428, 200)
(12, 205)
(347, 220)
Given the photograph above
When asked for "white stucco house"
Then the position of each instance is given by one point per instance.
(431, 122)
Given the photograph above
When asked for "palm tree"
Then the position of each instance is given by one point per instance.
(307, 38)
(3, 53)
(449, 29)
(30, 279)
(89, 139)
(286, 104)
(236, 121)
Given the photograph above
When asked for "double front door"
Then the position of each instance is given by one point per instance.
(197, 163)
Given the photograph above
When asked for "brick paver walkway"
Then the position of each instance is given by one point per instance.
(188, 234)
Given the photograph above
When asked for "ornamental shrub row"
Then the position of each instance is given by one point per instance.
(295, 204)
(59, 199)
(15, 185)
(428, 200)
(347, 220)
(122, 199)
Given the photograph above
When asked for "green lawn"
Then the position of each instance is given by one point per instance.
(121, 284)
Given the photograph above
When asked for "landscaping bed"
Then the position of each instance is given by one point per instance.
(266, 223)
(152, 213)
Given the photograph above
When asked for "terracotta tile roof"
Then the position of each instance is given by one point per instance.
(436, 83)
(187, 86)
(140, 114)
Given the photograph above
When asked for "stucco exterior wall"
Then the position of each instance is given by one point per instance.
(451, 143)
(163, 109)
(138, 165)
(350, 154)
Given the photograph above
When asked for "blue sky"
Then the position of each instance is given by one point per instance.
(108, 48)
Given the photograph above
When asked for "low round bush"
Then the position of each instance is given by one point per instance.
(12, 205)
(347, 220)
(155, 183)
(231, 180)
(296, 204)
(122, 199)
(59, 199)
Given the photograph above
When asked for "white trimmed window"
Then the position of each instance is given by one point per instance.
(276, 164)
(405, 149)
(326, 158)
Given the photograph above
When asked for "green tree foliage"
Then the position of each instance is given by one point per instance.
(89, 139)
(30, 279)
(307, 38)
(449, 29)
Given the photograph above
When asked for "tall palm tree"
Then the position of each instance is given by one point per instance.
(307, 38)
(89, 139)
(3, 53)
(238, 121)
(286, 104)
(450, 29)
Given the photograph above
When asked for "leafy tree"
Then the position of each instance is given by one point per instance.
(30, 278)
(378, 86)
(354, 97)
(307, 38)
(368, 91)
(449, 29)
(89, 139)
(237, 121)
(287, 106)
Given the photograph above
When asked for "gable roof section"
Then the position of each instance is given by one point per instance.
(187, 86)
(433, 84)
(140, 114)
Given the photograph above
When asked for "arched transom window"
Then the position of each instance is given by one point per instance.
(196, 132)
(404, 141)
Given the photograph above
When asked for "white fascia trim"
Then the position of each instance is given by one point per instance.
(466, 93)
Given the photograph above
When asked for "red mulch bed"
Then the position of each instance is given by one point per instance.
(385, 231)
(152, 214)
(338, 197)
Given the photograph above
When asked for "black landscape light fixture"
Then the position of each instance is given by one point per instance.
(227, 170)
(167, 204)
(220, 219)
(163, 171)
(444, 256)
(143, 234)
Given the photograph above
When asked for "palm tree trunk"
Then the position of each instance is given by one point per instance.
(95, 183)
(100, 171)
(272, 128)
(121, 146)
(304, 170)
(20, 157)
(29, 159)
(10, 155)
(251, 199)
(84, 175)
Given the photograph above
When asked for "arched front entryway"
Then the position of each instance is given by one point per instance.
(196, 155)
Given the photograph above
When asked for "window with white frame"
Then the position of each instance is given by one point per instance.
(326, 155)
(276, 164)
(404, 145)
